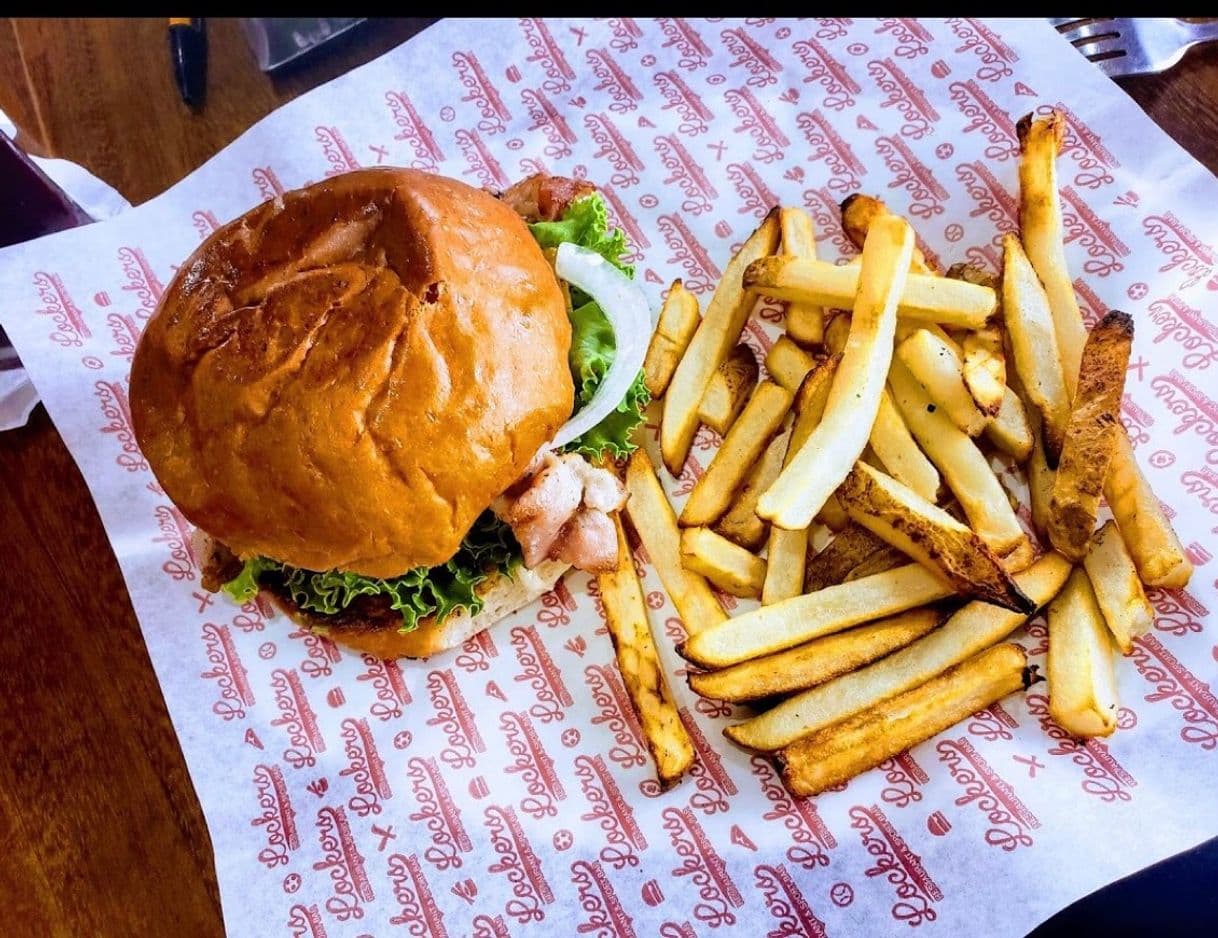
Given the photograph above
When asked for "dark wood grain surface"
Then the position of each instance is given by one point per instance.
(100, 829)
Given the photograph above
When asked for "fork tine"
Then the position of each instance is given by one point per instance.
(1064, 22)
(1100, 46)
(1092, 31)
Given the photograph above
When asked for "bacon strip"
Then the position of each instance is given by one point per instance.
(544, 198)
(560, 511)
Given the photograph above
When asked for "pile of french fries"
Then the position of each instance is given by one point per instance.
(858, 494)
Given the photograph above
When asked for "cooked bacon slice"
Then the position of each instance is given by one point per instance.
(560, 511)
(542, 197)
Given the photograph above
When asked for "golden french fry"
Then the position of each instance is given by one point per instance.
(938, 368)
(1034, 345)
(858, 212)
(971, 629)
(837, 753)
(818, 467)
(1145, 529)
(836, 333)
(929, 535)
(832, 515)
(895, 447)
(679, 319)
(924, 297)
(729, 566)
(831, 566)
(1081, 670)
(1091, 436)
(729, 389)
(787, 363)
(1114, 578)
(718, 331)
(795, 621)
(1040, 222)
(1010, 430)
(741, 523)
(654, 521)
(965, 470)
(785, 555)
(634, 645)
(805, 322)
(749, 436)
(819, 660)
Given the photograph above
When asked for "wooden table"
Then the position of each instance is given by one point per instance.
(100, 829)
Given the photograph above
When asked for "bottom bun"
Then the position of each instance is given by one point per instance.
(379, 636)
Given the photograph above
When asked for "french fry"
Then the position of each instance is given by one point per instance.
(929, 535)
(938, 368)
(861, 742)
(885, 559)
(1091, 436)
(787, 550)
(729, 389)
(971, 629)
(831, 566)
(896, 449)
(836, 333)
(858, 212)
(787, 363)
(1010, 431)
(1040, 222)
(740, 523)
(718, 331)
(805, 322)
(985, 368)
(1040, 487)
(819, 466)
(679, 319)
(965, 470)
(634, 645)
(819, 660)
(729, 566)
(1118, 591)
(654, 521)
(1145, 529)
(923, 298)
(795, 621)
(750, 434)
(1034, 345)
(1081, 670)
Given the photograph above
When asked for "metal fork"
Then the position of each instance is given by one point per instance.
(1142, 46)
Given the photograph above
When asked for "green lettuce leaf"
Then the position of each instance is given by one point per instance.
(488, 548)
(586, 223)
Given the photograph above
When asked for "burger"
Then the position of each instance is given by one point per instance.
(389, 402)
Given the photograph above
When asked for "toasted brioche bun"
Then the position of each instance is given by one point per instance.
(346, 377)
(380, 637)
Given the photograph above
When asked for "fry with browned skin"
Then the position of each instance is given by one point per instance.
(900, 517)
(819, 660)
(852, 545)
(1091, 436)
(840, 752)
(642, 673)
(729, 389)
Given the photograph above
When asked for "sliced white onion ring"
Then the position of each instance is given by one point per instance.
(625, 306)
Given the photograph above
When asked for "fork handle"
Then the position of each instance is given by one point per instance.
(1200, 32)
